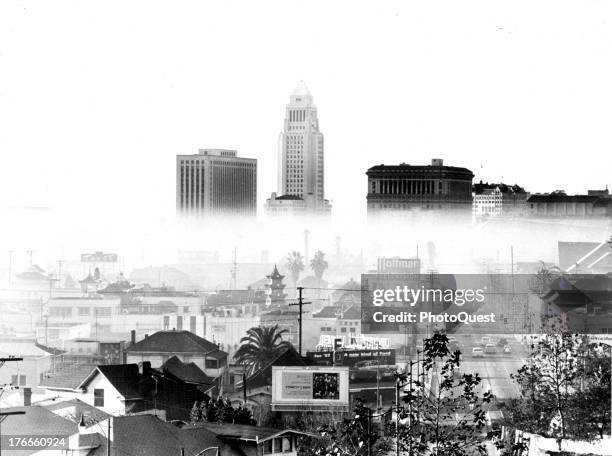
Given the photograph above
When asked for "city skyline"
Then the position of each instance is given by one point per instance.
(458, 92)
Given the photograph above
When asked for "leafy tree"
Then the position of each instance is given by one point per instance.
(196, 413)
(351, 436)
(548, 381)
(295, 264)
(441, 414)
(543, 277)
(565, 389)
(221, 411)
(260, 346)
(442, 411)
(318, 264)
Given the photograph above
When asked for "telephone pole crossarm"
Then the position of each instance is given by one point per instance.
(300, 303)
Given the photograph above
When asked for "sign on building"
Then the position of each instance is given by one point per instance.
(350, 358)
(398, 265)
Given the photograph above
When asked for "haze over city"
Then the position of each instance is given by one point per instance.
(96, 112)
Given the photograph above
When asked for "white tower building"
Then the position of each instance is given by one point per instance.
(301, 170)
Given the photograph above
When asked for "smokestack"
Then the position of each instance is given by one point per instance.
(306, 234)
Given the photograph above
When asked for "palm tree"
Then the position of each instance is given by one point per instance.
(295, 264)
(261, 345)
(319, 265)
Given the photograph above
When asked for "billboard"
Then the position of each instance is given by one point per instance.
(351, 358)
(310, 388)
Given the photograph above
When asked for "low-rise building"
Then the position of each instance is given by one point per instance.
(188, 347)
(296, 206)
(495, 200)
(28, 373)
(121, 389)
(559, 204)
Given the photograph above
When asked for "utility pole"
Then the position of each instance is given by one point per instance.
(369, 436)
(108, 437)
(9, 359)
(300, 303)
(397, 414)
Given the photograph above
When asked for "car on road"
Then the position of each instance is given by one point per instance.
(507, 349)
(477, 352)
(484, 340)
(490, 348)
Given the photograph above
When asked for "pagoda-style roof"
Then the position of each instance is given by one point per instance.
(275, 275)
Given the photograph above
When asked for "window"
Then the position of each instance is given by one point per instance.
(287, 445)
(278, 445)
(267, 447)
(211, 364)
(103, 311)
(83, 311)
(98, 397)
(18, 380)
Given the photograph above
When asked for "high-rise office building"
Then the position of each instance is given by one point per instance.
(216, 182)
(301, 188)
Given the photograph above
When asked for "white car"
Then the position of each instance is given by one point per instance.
(477, 352)
(490, 348)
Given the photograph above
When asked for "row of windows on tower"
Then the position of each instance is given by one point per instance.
(297, 115)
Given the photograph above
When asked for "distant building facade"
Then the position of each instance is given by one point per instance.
(494, 200)
(419, 188)
(558, 204)
(301, 167)
(216, 182)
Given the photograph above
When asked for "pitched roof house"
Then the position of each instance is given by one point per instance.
(186, 346)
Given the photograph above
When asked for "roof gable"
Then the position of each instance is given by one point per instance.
(173, 342)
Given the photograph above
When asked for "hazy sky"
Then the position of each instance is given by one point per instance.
(97, 98)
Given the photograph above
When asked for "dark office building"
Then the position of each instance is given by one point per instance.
(419, 188)
(216, 182)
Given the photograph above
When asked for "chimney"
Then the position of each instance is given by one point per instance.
(146, 367)
(82, 424)
(27, 397)
(133, 336)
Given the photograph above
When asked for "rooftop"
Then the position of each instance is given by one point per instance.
(187, 372)
(562, 198)
(174, 342)
(301, 90)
